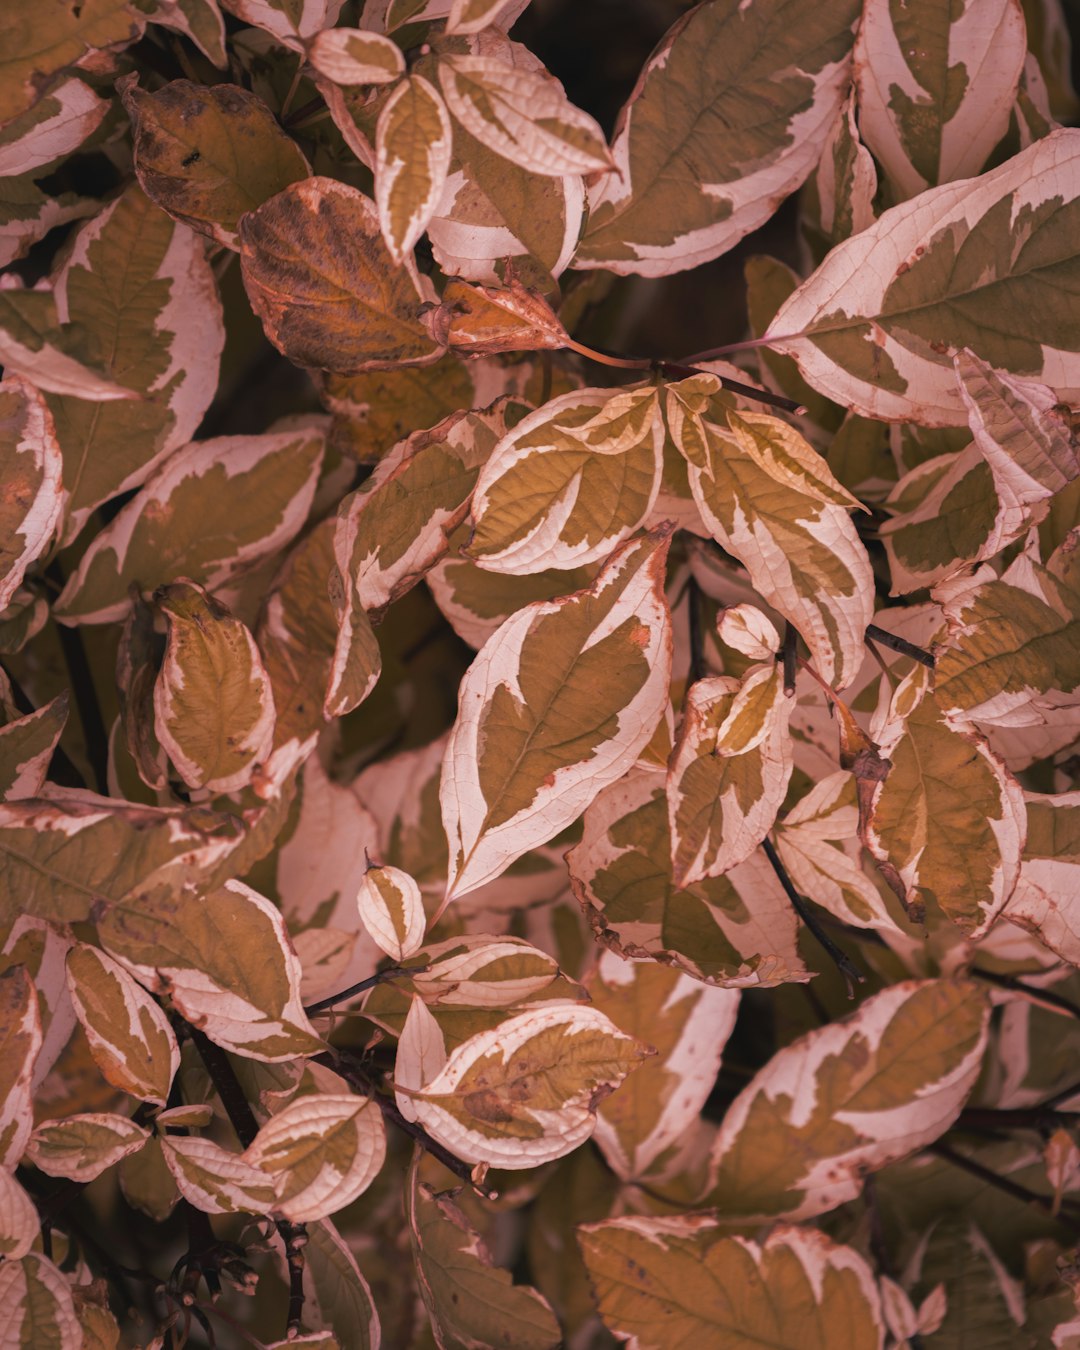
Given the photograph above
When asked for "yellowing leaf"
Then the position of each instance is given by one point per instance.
(323, 282)
(737, 930)
(208, 153)
(215, 1180)
(729, 771)
(1047, 895)
(527, 1091)
(688, 1024)
(19, 1224)
(226, 962)
(353, 56)
(392, 911)
(557, 705)
(58, 123)
(680, 1281)
(569, 482)
(37, 1306)
(848, 1098)
(986, 264)
(727, 118)
(470, 1300)
(20, 1041)
(522, 115)
(935, 91)
(320, 1152)
(130, 1037)
(81, 1147)
(412, 156)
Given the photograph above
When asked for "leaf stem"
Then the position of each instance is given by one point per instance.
(901, 645)
(844, 964)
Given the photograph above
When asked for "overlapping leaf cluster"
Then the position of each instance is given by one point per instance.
(452, 778)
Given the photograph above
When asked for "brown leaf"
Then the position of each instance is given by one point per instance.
(485, 320)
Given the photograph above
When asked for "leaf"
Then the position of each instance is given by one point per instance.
(225, 960)
(140, 284)
(215, 1180)
(946, 824)
(412, 156)
(556, 706)
(19, 1223)
(26, 749)
(20, 1041)
(57, 124)
(838, 200)
(729, 771)
(214, 509)
(130, 1037)
(392, 911)
(27, 215)
(470, 16)
(477, 971)
(81, 1147)
(147, 1183)
(321, 1152)
(668, 1281)
(200, 20)
(334, 1286)
(64, 855)
(987, 264)
(37, 1307)
(526, 1092)
(523, 115)
(421, 1054)
(688, 1024)
(847, 1099)
(471, 1301)
(292, 24)
(737, 930)
(749, 631)
(1044, 900)
(728, 117)
(487, 320)
(208, 153)
(38, 42)
(935, 91)
(325, 286)
(569, 482)
(213, 705)
(770, 500)
(41, 949)
(352, 56)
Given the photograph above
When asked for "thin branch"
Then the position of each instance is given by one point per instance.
(1020, 1118)
(1003, 1184)
(1073, 1090)
(746, 345)
(789, 657)
(697, 637)
(1046, 996)
(901, 645)
(380, 976)
(844, 964)
(82, 687)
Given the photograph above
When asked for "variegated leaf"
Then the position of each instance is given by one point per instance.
(769, 499)
(208, 153)
(421, 1054)
(412, 156)
(728, 117)
(36, 344)
(471, 1301)
(199, 20)
(947, 823)
(935, 91)
(661, 1282)
(226, 962)
(335, 1286)
(26, 749)
(875, 327)
(130, 1037)
(19, 1224)
(323, 282)
(523, 1093)
(569, 482)
(556, 706)
(213, 705)
(292, 22)
(81, 1147)
(838, 200)
(26, 215)
(848, 1098)
(215, 1180)
(1047, 896)
(320, 1152)
(477, 971)
(688, 1024)
(20, 1041)
(470, 16)
(737, 930)
(353, 56)
(392, 911)
(41, 948)
(523, 115)
(57, 124)
(141, 284)
(729, 771)
(36, 1303)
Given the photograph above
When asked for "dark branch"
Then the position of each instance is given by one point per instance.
(899, 644)
(1003, 1184)
(380, 976)
(789, 656)
(1046, 996)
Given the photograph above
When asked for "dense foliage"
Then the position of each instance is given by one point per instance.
(514, 832)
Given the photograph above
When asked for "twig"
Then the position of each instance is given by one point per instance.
(380, 976)
(1018, 1118)
(1073, 1090)
(294, 1235)
(82, 686)
(844, 964)
(789, 656)
(1003, 1184)
(697, 637)
(1046, 996)
(899, 644)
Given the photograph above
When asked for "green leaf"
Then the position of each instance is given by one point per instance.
(81, 1147)
(38, 1307)
(412, 156)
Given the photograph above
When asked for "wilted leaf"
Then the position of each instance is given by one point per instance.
(727, 118)
(208, 153)
(412, 156)
(20, 1041)
(487, 320)
(527, 1091)
(323, 282)
(679, 1281)
(37, 1306)
(849, 1098)
(81, 1147)
(556, 706)
(838, 201)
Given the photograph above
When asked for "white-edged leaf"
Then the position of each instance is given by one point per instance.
(421, 1054)
(26, 748)
(81, 1147)
(36, 1306)
(413, 140)
(470, 16)
(31, 466)
(392, 911)
(215, 1180)
(20, 1041)
(1047, 895)
(292, 22)
(745, 628)
(19, 1223)
(336, 1293)
(57, 124)
(352, 56)
(476, 971)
